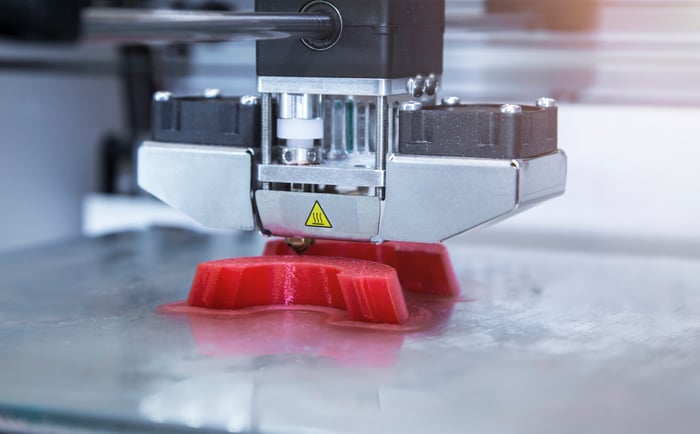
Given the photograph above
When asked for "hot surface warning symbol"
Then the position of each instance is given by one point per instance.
(318, 218)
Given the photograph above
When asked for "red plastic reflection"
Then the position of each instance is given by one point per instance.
(424, 268)
(309, 330)
(369, 291)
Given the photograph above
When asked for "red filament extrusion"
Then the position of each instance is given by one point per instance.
(369, 291)
(424, 268)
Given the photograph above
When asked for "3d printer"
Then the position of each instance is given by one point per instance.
(346, 139)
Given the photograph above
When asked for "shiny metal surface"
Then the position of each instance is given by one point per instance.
(551, 340)
(180, 25)
(266, 129)
(333, 86)
(420, 86)
(451, 101)
(330, 173)
(383, 133)
(285, 214)
(211, 93)
(541, 178)
(411, 106)
(299, 156)
(511, 109)
(162, 95)
(430, 199)
(299, 106)
(211, 184)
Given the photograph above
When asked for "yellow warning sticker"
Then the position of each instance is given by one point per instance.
(318, 218)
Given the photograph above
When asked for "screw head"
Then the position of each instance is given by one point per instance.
(212, 93)
(431, 85)
(249, 100)
(545, 103)
(451, 101)
(511, 109)
(411, 106)
(162, 95)
(416, 85)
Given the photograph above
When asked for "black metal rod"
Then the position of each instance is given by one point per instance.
(176, 25)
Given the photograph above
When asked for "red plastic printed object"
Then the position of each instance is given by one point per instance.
(424, 268)
(369, 291)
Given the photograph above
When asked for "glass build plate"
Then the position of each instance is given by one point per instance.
(543, 341)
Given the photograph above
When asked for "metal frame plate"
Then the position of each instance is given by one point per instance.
(285, 213)
(323, 175)
(430, 199)
(211, 184)
(333, 86)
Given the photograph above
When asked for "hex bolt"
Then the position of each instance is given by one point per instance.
(162, 95)
(451, 101)
(249, 100)
(212, 93)
(545, 103)
(511, 109)
(411, 106)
